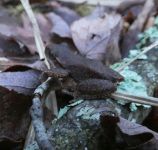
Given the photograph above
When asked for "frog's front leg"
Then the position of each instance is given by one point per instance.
(94, 89)
(55, 73)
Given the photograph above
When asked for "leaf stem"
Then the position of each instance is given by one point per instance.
(145, 50)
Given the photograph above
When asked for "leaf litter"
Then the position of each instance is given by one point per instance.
(96, 36)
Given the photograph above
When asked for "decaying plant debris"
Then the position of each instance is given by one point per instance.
(119, 34)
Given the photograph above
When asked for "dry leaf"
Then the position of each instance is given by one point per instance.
(128, 135)
(67, 14)
(23, 82)
(151, 121)
(138, 137)
(14, 119)
(10, 47)
(25, 33)
(96, 36)
(60, 27)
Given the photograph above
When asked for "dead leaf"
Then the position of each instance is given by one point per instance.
(9, 46)
(151, 121)
(23, 63)
(128, 135)
(7, 17)
(130, 39)
(96, 36)
(7, 30)
(23, 82)
(14, 118)
(60, 27)
(67, 14)
(25, 33)
(138, 137)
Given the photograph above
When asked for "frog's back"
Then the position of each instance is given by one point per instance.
(104, 71)
(79, 67)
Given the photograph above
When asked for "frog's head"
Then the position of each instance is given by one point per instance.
(58, 52)
(51, 52)
(116, 76)
(113, 75)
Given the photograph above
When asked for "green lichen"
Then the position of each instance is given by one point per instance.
(64, 110)
(133, 83)
(87, 113)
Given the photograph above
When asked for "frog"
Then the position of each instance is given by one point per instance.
(93, 79)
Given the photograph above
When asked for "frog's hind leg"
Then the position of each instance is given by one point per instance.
(95, 89)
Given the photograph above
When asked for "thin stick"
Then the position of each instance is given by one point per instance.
(137, 99)
(36, 112)
(145, 50)
(41, 51)
(36, 30)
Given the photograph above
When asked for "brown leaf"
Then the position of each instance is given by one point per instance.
(96, 36)
(151, 121)
(67, 14)
(9, 46)
(14, 118)
(7, 17)
(25, 33)
(7, 30)
(22, 63)
(131, 37)
(128, 135)
(19, 66)
(23, 82)
(60, 27)
(137, 136)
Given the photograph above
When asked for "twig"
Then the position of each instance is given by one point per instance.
(137, 99)
(37, 116)
(145, 50)
(36, 30)
(41, 136)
